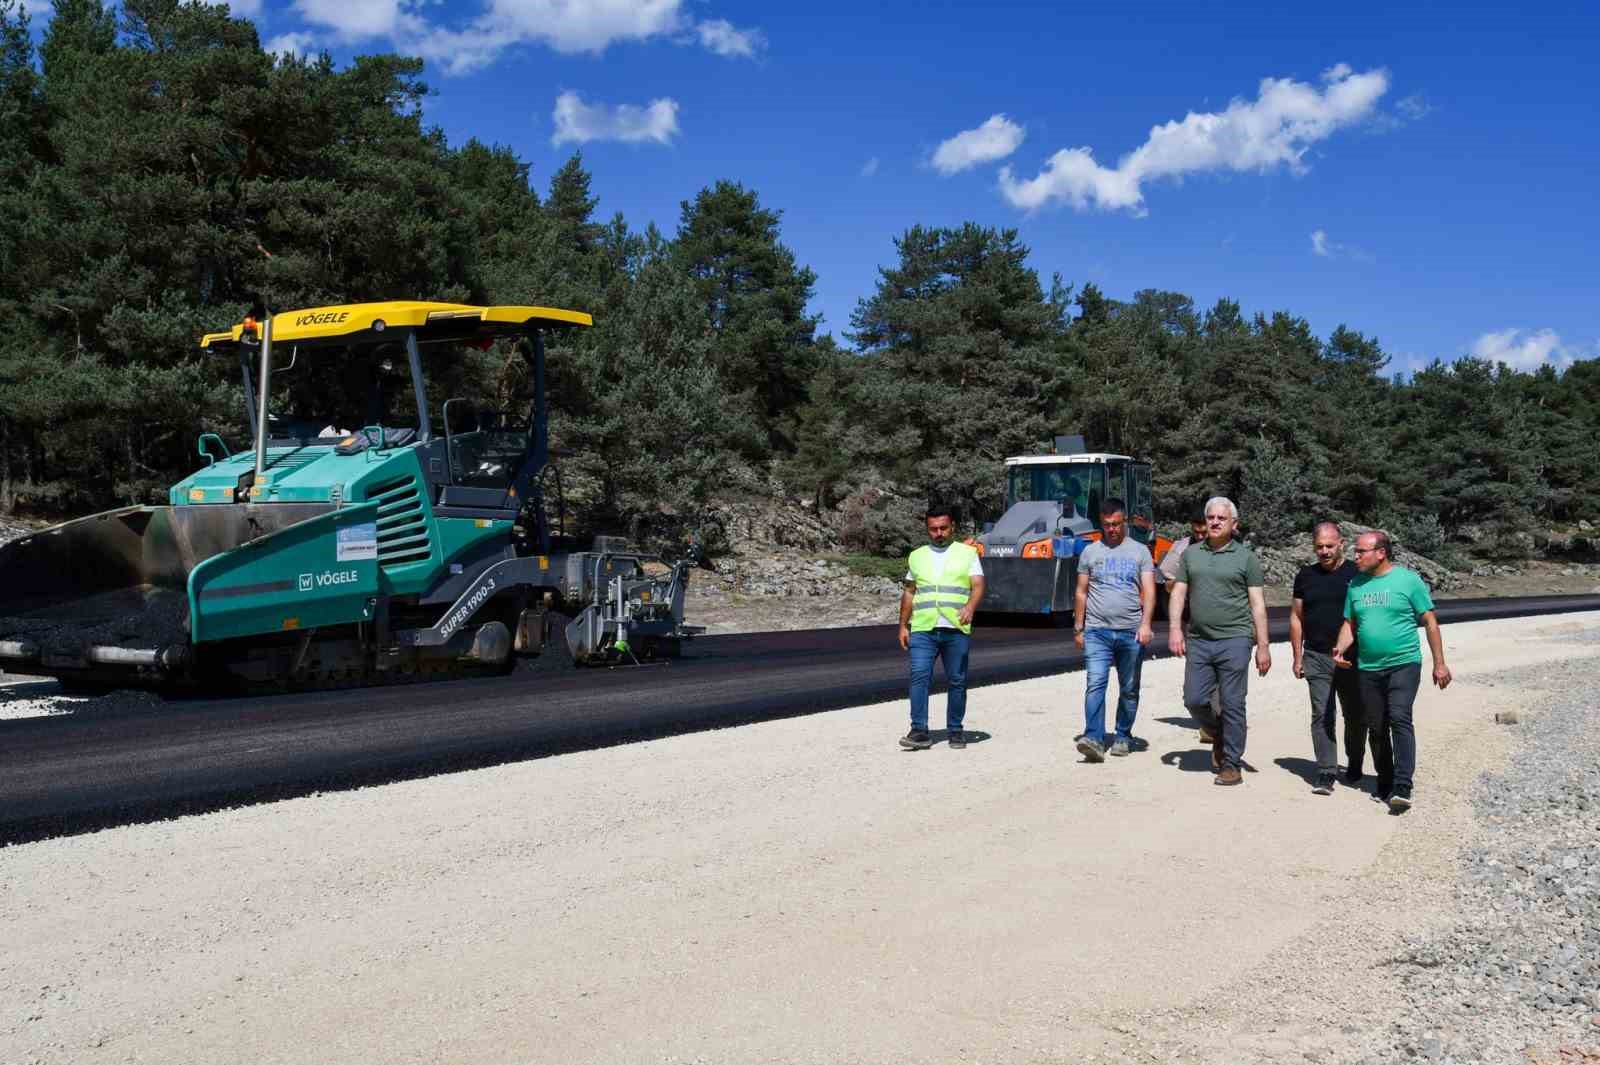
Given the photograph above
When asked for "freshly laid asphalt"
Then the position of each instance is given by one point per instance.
(70, 773)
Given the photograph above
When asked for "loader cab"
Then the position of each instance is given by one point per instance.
(1081, 483)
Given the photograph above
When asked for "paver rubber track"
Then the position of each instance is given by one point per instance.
(77, 772)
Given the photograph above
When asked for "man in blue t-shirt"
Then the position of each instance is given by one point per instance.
(1115, 599)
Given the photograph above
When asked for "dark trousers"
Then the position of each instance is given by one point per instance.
(1221, 668)
(1331, 685)
(1387, 696)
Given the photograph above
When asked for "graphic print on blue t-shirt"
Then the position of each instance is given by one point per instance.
(1114, 573)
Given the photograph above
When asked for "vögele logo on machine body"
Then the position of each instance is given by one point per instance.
(326, 578)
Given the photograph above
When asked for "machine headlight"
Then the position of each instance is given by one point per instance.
(1039, 549)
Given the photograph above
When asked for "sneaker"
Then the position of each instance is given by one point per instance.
(1380, 796)
(917, 740)
(958, 739)
(1091, 750)
(1353, 777)
(1324, 784)
(1400, 801)
(1121, 748)
(1206, 735)
(1229, 775)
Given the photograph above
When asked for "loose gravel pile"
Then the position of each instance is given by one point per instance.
(1518, 976)
(130, 617)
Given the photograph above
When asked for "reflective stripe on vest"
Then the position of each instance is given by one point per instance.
(936, 596)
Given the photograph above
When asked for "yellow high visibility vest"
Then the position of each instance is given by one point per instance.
(943, 585)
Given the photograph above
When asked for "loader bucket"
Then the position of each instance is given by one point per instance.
(108, 594)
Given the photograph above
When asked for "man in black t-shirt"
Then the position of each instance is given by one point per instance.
(1314, 622)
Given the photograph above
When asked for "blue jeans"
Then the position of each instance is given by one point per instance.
(951, 645)
(1102, 647)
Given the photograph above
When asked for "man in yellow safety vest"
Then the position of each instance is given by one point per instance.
(943, 586)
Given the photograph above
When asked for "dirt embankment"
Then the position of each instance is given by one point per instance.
(785, 569)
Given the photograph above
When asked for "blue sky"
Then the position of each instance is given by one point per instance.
(1424, 173)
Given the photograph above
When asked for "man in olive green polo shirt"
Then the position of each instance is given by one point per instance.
(1220, 580)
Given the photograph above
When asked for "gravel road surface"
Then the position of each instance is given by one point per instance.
(800, 890)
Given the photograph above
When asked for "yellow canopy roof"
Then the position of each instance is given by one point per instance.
(354, 323)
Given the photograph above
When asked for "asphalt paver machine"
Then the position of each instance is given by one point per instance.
(357, 541)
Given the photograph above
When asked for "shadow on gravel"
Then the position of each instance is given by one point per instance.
(1198, 761)
(939, 735)
(1181, 722)
(1304, 768)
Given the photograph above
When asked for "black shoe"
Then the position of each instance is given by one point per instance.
(1380, 796)
(917, 740)
(958, 739)
(1400, 801)
(1324, 784)
(1353, 777)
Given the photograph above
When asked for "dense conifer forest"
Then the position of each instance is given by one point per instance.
(161, 176)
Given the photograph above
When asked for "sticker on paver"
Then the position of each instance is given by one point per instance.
(357, 542)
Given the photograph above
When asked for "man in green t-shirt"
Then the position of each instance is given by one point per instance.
(1220, 579)
(1384, 605)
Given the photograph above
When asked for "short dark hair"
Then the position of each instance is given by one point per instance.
(1197, 514)
(937, 509)
(1113, 505)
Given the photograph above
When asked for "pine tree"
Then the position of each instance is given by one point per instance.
(755, 297)
(966, 362)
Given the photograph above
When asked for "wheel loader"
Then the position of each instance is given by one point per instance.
(1030, 556)
(357, 540)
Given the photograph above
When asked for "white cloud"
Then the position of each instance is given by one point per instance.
(870, 167)
(580, 123)
(573, 26)
(294, 44)
(357, 20)
(1526, 349)
(1328, 249)
(1275, 129)
(995, 139)
(1413, 107)
(565, 26)
(722, 37)
(568, 26)
(244, 8)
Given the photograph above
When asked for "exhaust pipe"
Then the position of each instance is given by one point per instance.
(261, 400)
(170, 658)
